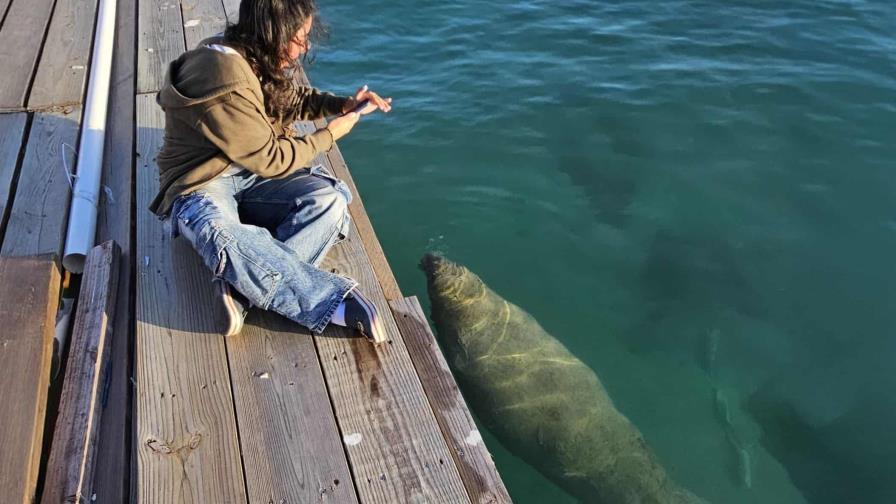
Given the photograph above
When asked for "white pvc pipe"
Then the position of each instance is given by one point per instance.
(82, 215)
(60, 337)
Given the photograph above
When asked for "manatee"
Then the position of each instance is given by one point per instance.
(545, 405)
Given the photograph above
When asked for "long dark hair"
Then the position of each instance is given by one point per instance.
(262, 35)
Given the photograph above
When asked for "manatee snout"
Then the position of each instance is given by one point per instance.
(431, 263)
(441, 272)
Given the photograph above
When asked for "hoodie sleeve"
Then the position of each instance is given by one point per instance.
(242, 132)
(309, 104)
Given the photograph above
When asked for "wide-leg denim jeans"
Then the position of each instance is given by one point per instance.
(265, 237)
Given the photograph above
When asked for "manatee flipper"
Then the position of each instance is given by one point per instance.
(543, 403)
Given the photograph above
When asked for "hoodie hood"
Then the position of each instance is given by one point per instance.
(203, 74)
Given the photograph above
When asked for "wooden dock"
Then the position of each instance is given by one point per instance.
(275, 415)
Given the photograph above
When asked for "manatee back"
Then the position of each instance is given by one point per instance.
(544, 404)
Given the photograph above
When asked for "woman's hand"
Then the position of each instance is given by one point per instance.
(374, 102)
(340, 126)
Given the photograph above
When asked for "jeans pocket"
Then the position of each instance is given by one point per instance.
(195, 220)
(247, 270)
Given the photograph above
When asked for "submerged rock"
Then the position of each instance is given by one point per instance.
(544, 404)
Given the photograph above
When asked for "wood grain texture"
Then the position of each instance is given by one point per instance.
(69, 473)
(13, 128)
(20, 42)
(160, 40)
(361, 220)
(394, 445)
(186, 437)
(62, 70)
(28, 302)
(359, 216)
(202, 18)
(475, 463)
(232, 9)
(292, 451)
(3, 5)
(111, 477)
(39, 213)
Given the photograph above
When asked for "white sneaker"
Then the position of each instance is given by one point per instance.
(235, 306)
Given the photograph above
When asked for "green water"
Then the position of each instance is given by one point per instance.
(696, 197)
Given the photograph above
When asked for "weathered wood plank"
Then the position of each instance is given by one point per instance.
(62, 71)
(69, 473)
(111, 477)
(160, 40)
(202, 18)
(13, 128)
(39, 212)
(27, 316)
(20, 42)
(396, 450)
(232, 9)
(186, 436)
(475, 463)
(365, 229)
(3, 5)
(359, 216)
(290, 443)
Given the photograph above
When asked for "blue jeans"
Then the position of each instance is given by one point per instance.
(265, 237)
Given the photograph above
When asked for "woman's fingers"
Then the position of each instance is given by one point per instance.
(364, 93)
(380, 103)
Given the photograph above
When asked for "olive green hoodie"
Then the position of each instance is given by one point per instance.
(215, 115)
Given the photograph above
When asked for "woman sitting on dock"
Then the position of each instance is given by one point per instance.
(234, 175)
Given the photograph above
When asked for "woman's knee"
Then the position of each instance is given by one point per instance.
(335, 212)
(332, 203)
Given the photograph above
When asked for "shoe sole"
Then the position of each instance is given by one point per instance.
(234, 314)
(376, 322)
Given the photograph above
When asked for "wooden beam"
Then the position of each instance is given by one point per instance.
(292, 451)
(160, 40)
(27, 316)
(69, 473)
(39, 213)
(473, 459)
(13, 128)
(112, 476)
(20, 42)
(202, 19)
(394, 445)
(186, 435)
(62, 71)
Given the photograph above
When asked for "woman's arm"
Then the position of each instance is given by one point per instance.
(244, 135)
(308, 104)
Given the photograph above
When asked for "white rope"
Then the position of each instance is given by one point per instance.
(68, 173)
(71, 176)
